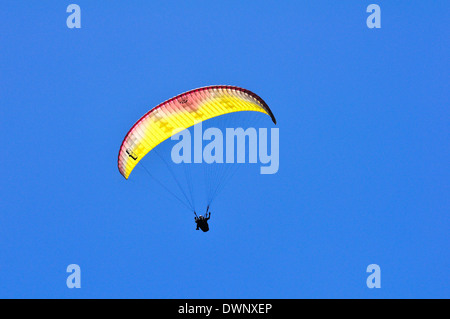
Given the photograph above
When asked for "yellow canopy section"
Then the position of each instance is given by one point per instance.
(181, 112)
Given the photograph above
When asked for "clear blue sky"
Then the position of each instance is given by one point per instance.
(364, 149)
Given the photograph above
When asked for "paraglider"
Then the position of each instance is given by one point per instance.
(179, 113)
(202, 222)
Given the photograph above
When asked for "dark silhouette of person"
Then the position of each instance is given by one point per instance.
(202, 221)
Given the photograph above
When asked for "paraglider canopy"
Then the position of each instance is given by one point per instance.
(181, 112)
